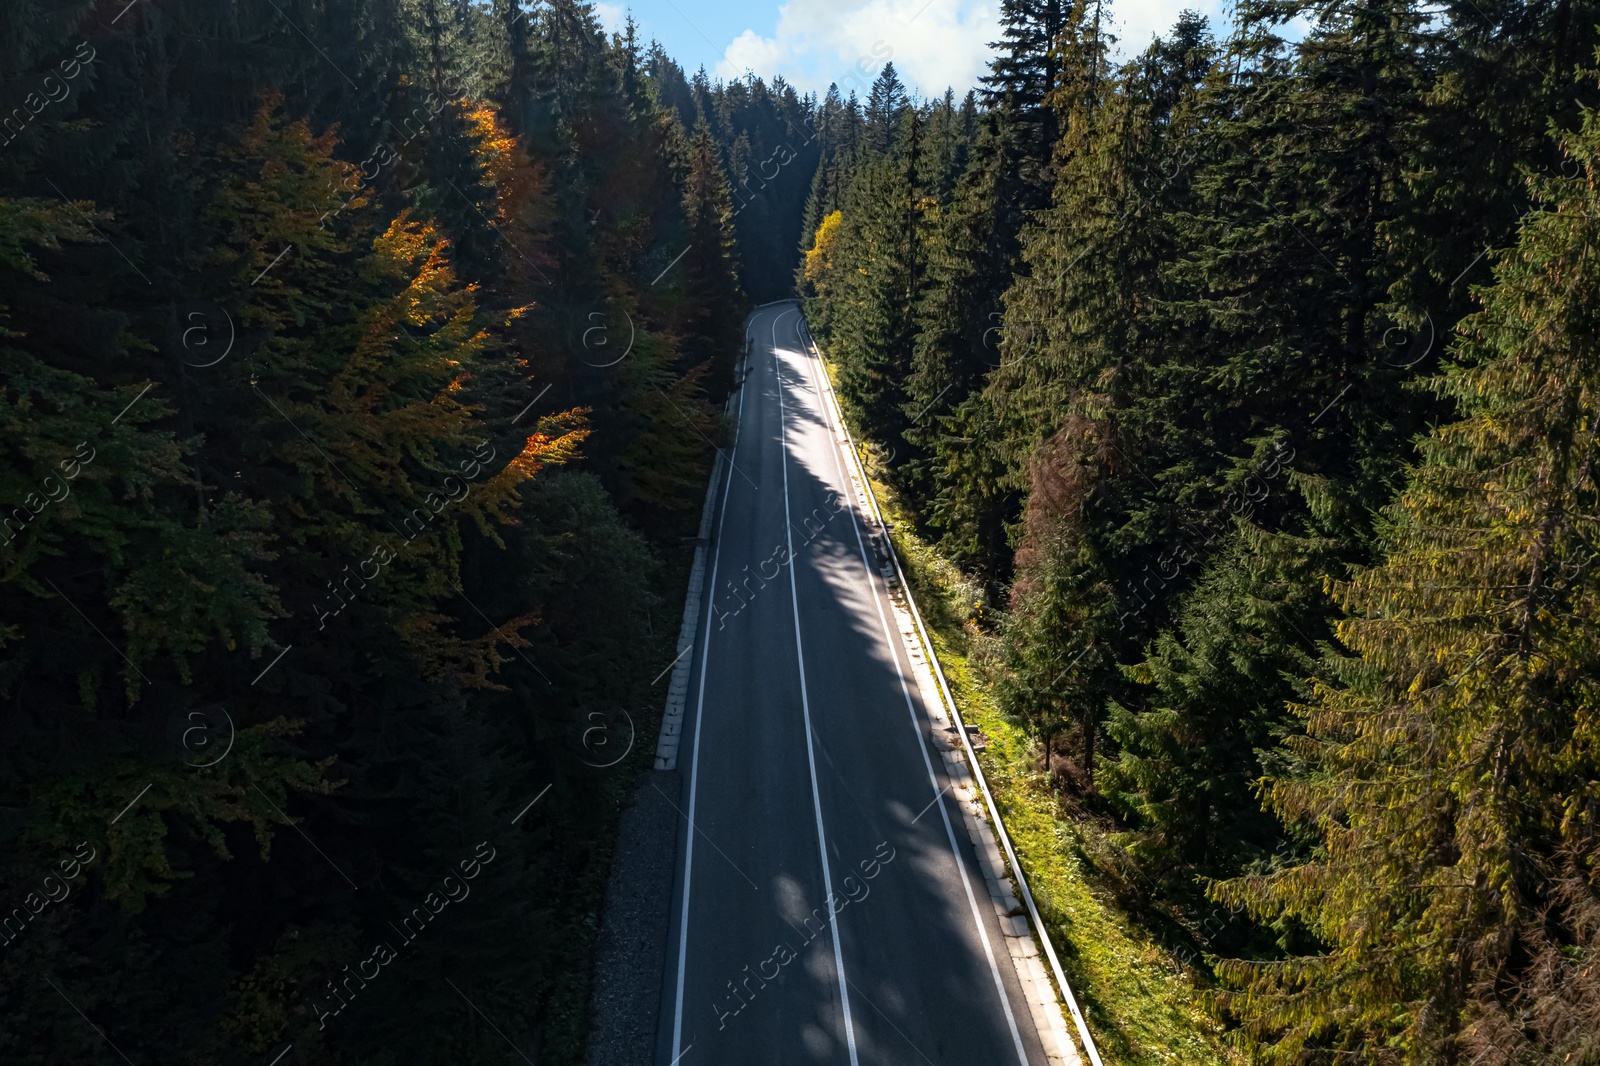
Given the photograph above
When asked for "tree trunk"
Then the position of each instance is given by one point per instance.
(1088, 748)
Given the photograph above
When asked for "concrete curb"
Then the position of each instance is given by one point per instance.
(1043, 1002)
(678, 687)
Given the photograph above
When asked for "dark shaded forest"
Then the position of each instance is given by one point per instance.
(1256, 379)
(361, 365)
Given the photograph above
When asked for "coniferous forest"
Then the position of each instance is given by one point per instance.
(1255, 381)
(360, 374)
(362, 367)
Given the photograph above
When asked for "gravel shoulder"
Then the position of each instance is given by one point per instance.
(631, 952)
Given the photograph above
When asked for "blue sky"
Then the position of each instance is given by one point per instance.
(933, 43)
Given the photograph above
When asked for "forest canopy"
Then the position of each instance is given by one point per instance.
(360, 375)
(1252, 378)
(363, 363)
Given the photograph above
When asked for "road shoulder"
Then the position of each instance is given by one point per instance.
(631, 950)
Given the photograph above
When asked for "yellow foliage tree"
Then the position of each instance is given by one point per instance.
(819, 260)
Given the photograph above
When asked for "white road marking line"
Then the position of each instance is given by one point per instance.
(1042, 935)
(805, 705)
(694, 754)
(703, 833)
(922, 743)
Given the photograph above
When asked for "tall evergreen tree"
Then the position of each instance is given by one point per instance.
(1448, 761)
(714, 324)
(887, 103)
(881, 248)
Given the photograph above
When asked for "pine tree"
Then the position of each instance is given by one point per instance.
(1448, 763)
(1026, 73)
(713, 322)
(886, 104)
(973, 254)
(881, 247)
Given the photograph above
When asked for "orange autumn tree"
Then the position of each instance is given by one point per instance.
(360, 372)
(607, 339)
(524, 210)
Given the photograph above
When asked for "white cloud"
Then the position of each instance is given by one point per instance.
(1135, 22)
(932, 43)
(751, 51)
(612, 16)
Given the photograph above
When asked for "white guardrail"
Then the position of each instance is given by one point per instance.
(955, 714)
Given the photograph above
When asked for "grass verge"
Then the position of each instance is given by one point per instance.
(1143, 1008)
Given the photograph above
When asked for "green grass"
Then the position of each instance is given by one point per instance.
(1143, 1010)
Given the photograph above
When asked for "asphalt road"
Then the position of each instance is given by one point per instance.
(809, 771)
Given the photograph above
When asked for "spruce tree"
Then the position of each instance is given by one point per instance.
(1447, 764)
(712, 319)
(886, 104)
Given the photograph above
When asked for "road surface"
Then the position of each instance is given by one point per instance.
(828, 906)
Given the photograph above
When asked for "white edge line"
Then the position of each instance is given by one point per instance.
(694, 752)
(873, 581)
(972, 760)
(805, 702)
(929, 807)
